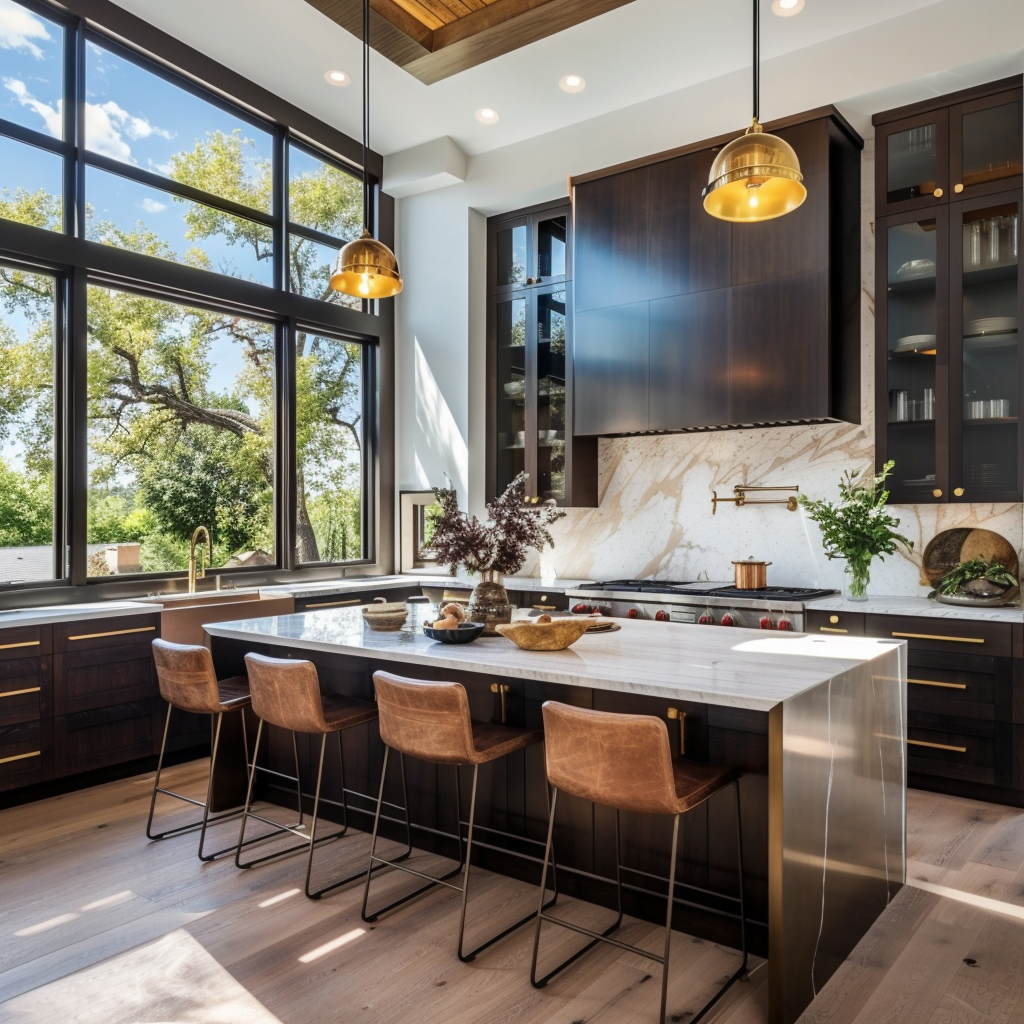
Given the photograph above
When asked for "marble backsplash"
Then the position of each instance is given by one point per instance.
(655, 519)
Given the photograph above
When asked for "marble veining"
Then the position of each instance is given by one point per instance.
(919, 606)
(735, 668)
(70, 612)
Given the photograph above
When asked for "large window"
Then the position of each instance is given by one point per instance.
(27, 319)
(194, 367)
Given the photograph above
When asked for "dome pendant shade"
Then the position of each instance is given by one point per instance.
(755, 177)
(367, 269)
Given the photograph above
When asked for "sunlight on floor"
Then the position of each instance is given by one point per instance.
(278, 898)
(329, 947)
(54, 922)
(173, 980)
(983, 902)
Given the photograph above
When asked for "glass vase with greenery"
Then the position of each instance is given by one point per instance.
(857, 527)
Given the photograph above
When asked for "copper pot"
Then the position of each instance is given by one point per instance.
(750, 574)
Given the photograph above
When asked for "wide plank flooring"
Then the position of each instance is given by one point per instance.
(99, 926)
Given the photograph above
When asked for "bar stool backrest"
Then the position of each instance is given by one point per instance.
(425, 719)
(186, 677)
(621, 761)
(286, 693)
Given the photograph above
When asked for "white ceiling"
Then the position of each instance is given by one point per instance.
(644, 50)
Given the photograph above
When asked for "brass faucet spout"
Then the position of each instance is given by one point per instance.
(195, 571)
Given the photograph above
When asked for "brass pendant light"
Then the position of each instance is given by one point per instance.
(757, 176)
(366, 268)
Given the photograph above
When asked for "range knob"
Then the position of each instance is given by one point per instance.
(579, 609)
(785, 624)
(707, 619)
(632, 614)
(662, 616)
(728, 619)
(766, 622)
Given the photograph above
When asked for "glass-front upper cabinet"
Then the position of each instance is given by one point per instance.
(985, 364)
(510, 361)
(552, 325)
(961, 146)
(529, 250)
(912, 264)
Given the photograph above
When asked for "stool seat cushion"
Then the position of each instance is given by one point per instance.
(695, 782)
(344, 712)
(233, 693)
(493, 741)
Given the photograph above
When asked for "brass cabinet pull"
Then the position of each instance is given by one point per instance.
(20, 757)
(936, 746)
(15, 693)
(332, 604)
(114, 632)
(937, 493)
(503, 689)
(932, 682)
(675, 713)
(24, 643)
(958, 188)
(834, 619)
(933, 636)
(829, 629)
(937, 193)
(958, 491)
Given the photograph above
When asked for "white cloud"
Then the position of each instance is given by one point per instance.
(104, 125)
(152, 206)
(51, 115)
(18, 28)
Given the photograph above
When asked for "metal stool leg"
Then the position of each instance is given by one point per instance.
(156, 780)
(670, 903)
(248, 793)
(298, 779)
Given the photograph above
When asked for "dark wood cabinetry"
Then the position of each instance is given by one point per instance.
(965, 721)
(949, 376)
(350, 600)
(530, 382)
(687, 322)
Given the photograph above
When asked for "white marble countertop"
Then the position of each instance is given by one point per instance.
(70, 612)
(323, 588)
(732, 667)
(915, 606)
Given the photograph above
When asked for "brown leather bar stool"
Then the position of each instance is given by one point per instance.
(431, 721)
(625, 762)
(188, 682)
(286, 693)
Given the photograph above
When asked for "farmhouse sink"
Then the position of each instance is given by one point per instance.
(185, 600)
(182, 616)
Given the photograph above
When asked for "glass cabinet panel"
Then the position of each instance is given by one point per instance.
(912, 347)
(551, 248)
(912, 163)
(510, 335)
(551, 435)
(990, 351)
(991, 148)
(511, 256)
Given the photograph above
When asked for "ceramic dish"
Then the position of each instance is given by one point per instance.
(466, 633)
(544, 636)
(916, 268)
(991, 325)
(914, 343)
(385, 617)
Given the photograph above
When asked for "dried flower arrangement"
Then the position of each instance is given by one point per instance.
(501, 545)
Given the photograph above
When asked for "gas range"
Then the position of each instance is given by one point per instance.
(704, 603)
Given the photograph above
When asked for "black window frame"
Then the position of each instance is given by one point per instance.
(78, 263)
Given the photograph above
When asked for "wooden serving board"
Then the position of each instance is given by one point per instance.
(949, 547)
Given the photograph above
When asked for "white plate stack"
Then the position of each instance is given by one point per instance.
(991, 325)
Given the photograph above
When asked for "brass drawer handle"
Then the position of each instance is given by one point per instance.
(503, 689)
(332, 604)
(113, 632)
(15, 693)
(20, 757)
(675, 713)
(936, 746)
(932, 682)
(24, 643)
(829, 629)
(933, 636)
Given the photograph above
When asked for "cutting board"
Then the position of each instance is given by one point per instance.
(949, 547)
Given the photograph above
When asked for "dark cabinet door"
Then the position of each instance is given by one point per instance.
(689, 356)
(777, 370)
(985, 145)
(611, 361)
(689, 251)
(612, 228)
(912, 162)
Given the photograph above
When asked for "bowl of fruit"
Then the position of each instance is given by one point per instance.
(452, 628)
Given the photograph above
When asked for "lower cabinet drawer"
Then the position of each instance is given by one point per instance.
(26, 689)
(100, 677)
(26, 753)
(956, 749)
(105, 736)
(944, 636)
(839, 623)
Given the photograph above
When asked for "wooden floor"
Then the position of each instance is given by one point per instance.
(98, 925)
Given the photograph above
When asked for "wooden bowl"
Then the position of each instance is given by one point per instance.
(385, 617)
(949, 547)
(544, 636)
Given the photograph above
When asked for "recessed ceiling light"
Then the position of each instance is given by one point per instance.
(337, 78)
(787, 8)
(486, 115)
(572, 83)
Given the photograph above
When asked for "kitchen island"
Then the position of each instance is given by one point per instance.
(817, 723)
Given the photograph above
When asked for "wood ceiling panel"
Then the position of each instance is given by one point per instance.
(434, 39)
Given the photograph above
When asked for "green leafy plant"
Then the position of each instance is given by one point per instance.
(974, 569)
(857, 527)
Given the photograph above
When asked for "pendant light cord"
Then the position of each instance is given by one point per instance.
(366, 111)
(757, 59)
